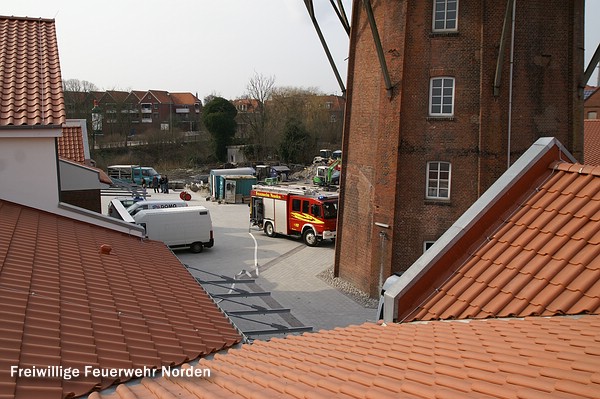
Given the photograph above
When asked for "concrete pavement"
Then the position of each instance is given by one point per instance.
(287, 268)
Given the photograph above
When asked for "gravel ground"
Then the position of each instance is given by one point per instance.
(348, 289)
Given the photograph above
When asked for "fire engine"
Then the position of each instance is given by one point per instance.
(294, 211)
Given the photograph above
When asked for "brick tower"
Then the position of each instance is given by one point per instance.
(465, 88)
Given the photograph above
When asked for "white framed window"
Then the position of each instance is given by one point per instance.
(438, 180)
(445, 15)
(592, 115)
(441, 96)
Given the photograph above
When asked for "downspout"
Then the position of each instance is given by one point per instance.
(510, 83)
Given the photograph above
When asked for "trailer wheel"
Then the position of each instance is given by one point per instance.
(196, 247)
(310, 238)
(269, 230)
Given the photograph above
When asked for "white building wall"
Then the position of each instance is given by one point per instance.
(28, 171)
(77, 177)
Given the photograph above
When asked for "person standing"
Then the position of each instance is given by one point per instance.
(155, 183)
(166, 185)
(161, 182)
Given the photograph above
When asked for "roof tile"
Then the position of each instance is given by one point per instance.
(591, 141)
(544, 259)
(76, 306)
(30, 80)
(498, 358)
(71, 145)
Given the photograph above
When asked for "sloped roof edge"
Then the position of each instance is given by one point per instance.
(540, 154)
(97, 219)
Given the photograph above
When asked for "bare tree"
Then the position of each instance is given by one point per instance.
(76, 85)
(259, 88)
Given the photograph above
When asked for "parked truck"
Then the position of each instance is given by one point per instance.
(294, 211)
(132, 173)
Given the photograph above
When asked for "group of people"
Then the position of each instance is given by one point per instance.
(161, 184)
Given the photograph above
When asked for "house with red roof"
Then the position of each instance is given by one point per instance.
(80, 182)
(591, 104)
(85, 301)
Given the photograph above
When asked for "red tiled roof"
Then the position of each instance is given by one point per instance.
(30, 80)
(543, 259)
(70, 144)
(555, 357)
(184, 99)
(139, 94)
(74, 294)
(160, 95)
(591, 141)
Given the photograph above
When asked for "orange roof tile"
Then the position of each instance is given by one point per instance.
(74, 294)
(184, 99)
(70, 144)
(114, 96)
(544, 259)
(529, 246)
(591, 141)
(530, 358)
(160, 95)
(30, 80)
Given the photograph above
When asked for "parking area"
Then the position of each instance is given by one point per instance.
(287, 269)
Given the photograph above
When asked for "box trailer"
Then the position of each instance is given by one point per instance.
(181, 227)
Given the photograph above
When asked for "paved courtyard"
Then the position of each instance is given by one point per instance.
(287, 268)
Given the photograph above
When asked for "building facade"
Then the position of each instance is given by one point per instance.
(464, 90)
(135, 112)
(591, 104)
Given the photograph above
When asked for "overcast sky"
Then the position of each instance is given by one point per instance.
(204, 47)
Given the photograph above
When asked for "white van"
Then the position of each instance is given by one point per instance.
(179, 227)
(155, 204)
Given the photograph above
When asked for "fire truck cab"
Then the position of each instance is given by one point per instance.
(294, 211)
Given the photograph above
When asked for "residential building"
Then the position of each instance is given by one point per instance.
(430, 128)
(591, 105)
(247, 117)
(79, 290)
(80, 181)
(129, 113)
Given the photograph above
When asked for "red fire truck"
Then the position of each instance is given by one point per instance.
(298, 211)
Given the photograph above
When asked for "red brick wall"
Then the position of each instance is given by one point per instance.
(388, 142)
